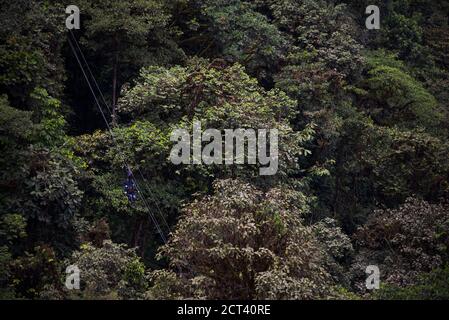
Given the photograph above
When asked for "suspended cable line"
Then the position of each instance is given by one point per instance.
(145, 181)
(115, 141)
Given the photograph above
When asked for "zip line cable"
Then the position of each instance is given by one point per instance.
(118, 146)
(146, 183)
(88, 69)
(115, 142)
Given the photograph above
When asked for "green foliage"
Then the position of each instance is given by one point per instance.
(235, 31)
(385, 166)
(405, 242)
(33, 272)
(399, 99)
(230, 244)
(41, 188)
(128, 35)
(6, 292)
(26, 60)
(15, 125)
(123, 27)
(404, 34)
(51, 131)
(19, 66)
(109, 272)
(12, 227)
(339, 250)
(220, 97)
(363, 122)
(430, 286)
(53, 190)
(320, 31)
(165, 284)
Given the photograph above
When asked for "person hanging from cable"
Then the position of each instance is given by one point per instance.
(130, 186)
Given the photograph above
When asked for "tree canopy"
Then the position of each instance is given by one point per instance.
(363, 172)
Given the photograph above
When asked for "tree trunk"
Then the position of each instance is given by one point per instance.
(138, 233)
(114, 89)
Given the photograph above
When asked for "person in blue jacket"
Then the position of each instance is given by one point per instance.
(130, 187)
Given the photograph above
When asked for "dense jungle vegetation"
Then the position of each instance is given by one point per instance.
(363, 175)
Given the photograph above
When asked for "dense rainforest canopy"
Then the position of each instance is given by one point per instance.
(363, 177)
